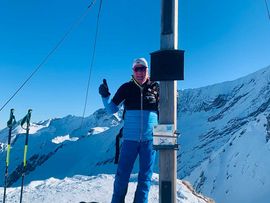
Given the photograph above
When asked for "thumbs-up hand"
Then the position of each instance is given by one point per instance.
(104, 89)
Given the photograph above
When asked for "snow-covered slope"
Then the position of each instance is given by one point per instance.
(92, 188)
(225, 132)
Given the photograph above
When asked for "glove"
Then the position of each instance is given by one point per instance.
(103, 89)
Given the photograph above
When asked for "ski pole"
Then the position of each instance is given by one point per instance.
(11, 122)
(26, 120)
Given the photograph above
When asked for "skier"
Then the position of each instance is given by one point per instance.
(140, 98)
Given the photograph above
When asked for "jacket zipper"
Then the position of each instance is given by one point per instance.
(141, 89)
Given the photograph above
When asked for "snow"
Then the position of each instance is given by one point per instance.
(226, 158)
(91, 188)
(61, 139)
(98, 130)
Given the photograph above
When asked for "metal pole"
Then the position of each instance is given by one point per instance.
(168, 95)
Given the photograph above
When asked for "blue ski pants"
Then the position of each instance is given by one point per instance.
(129, 152)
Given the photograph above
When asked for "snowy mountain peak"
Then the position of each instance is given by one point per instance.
(225, 134)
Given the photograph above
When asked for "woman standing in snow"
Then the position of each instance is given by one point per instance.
(140, 99)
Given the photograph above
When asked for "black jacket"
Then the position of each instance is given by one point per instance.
(138, 97)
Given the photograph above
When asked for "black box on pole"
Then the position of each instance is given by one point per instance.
(167, 65)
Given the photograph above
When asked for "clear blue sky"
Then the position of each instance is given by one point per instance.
(223, 40)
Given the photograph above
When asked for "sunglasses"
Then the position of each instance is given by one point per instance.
(139, 68)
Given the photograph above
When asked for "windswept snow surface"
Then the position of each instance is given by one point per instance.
(90, 188)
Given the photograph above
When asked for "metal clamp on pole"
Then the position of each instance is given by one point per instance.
(165, 138)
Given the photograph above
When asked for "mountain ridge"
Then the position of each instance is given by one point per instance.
(224, 141)
(214, 121)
